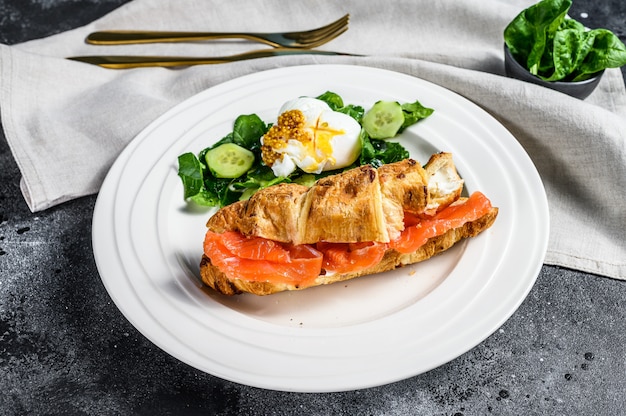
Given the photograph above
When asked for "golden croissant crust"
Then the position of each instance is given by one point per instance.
(361, 204)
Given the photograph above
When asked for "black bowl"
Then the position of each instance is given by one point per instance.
(578, 89)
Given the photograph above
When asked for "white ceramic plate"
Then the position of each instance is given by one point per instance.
(366, 332)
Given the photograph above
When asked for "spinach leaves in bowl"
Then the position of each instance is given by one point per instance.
(555, 47)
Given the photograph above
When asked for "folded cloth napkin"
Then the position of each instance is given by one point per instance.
(67, 121)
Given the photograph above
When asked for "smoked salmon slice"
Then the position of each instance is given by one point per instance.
(259, 259)
(418, 231)
(351, 257)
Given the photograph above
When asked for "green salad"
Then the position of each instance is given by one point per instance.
(234, 168)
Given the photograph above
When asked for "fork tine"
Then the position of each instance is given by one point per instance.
(329, 27)
(327, 32)
(325, 39)
(316, 35)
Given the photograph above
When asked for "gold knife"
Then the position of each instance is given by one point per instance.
(127, 61)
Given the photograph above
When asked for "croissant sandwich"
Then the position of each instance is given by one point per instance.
(358, 222)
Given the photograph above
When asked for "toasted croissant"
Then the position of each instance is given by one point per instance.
(361, 204)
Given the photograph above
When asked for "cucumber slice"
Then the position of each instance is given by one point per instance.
(229, 160)
(383, 120)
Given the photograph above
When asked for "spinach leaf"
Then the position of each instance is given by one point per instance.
(335, 102)
(606, 51)
(570, 45)
(414, 112)
(248, 130)
(377, 152)
(354, 111)
(205, 198)
(191, 172)
(530, 34)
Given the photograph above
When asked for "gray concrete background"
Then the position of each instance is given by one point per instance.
(65, 349)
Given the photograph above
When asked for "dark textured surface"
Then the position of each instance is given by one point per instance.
(65, 349)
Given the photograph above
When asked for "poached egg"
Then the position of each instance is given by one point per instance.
(311, 136)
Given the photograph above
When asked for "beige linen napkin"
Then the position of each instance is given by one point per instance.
(67, 121)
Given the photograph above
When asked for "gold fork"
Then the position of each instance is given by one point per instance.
(303, 39)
